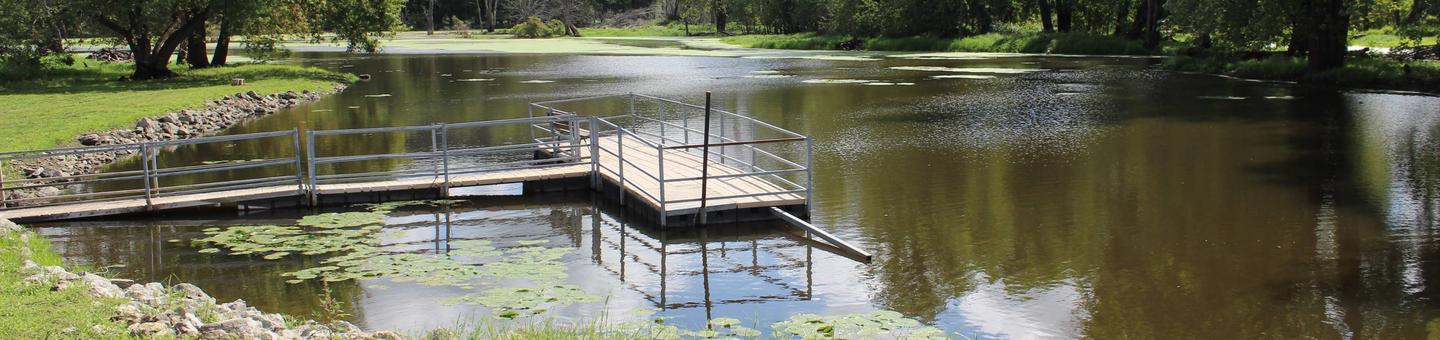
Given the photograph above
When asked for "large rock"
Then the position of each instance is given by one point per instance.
(7, 226)
(90, 139)
(152, 330)
(102, 287)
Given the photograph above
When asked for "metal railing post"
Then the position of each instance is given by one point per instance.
(311, 169)
(684, 122)
(809, 177)
(155, 171)
(530, 112)
(664, 118)
(620, 159)
(554, 135)
(145, 173)
(444, 159)
(704, 163)
(299, 167)
(594, 153)
(632, 104)
(3, 204)
(660, 156)
(574, 137)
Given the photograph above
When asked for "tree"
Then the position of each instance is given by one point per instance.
(359, 23)
(1045, 24)
(30, 30)
(430, 17)
(1329, 28)
(152, 29)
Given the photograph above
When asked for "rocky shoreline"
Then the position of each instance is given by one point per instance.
(215, 116)
(183, 310)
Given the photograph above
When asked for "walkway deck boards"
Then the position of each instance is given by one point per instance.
(681, 164)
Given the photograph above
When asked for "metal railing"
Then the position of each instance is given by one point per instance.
(444, 156)
(153, 180)
(752, 150)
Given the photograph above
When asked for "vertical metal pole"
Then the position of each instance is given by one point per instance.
(664, 120)
(3, 204)
(145, 171)
(574, 137)
(620, 159)
(660, 156)
(312, 170)
(445, 159)
(554, 134)
(530, 111)
(684, 121)
(594, 153)
(299, 167)
(809, 178)
(753, 147)
(155, 171)
(722, 130)
(704, 163)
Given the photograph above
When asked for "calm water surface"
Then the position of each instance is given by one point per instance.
(1096, 199)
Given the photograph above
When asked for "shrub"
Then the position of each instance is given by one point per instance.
(557, 28)
(460, 26)
(531, 28)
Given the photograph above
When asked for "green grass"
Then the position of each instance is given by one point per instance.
(1387, 38)
(1041, 43)
(670, 29)
(50, 108)
(1370, 73)
(36, 312)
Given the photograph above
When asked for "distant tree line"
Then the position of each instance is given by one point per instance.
(156, 30)
(1316, 28)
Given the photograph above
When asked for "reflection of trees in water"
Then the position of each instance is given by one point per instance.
(1190, 228)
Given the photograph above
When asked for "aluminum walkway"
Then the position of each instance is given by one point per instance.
(660, 153)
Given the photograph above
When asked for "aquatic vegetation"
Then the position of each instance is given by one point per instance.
(280, 241)
(768, 76)
(836, 81)
(967, 69)
(961, 76)
(888, 324)
(536, 81)
(516, 302)
(389, 207)
(467, 80)
(342, 220)
(382, 95)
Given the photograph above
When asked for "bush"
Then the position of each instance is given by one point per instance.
(557, 28)
(460, 26)
(531, 28)
(1042, 43)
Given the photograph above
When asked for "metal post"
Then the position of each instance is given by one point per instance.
(311, 169)
(530, 111)
(809, 178)
(664, 120)
(145, 172)
(299, 167)
(554, 134)
(574, 138)
(620, 159)
(704, 163)
(3, 204)
(753, 147)
(684, 122)
(445, 159)
(594, 153)
(660, 156)
(155, 170)
(722, 131)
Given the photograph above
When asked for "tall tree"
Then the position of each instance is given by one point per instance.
(152, 29)
(1329, 28)
(430, 17)
(1045, 24)
(1064, 14)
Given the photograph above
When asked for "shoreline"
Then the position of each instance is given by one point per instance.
(180, 310)
(214, 117)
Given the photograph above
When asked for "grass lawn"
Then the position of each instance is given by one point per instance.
(35, 312)
(51, 108)
(1041, 43)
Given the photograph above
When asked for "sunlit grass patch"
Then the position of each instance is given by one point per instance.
(36, 312)
(51, 107)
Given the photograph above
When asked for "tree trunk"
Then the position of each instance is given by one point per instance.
(1045, 24)
(222, 44)
(1064, 11)
(1120, 16)
(430, 17)
(981, 14)
(1329, 27)
(195, 49)
(1152, 23)
(720, 21)
(1137, 26)
(1417, 12)
(1299, 45)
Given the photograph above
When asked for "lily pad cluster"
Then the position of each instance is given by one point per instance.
(870, 325)
(516, 302)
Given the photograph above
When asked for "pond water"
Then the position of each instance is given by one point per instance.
(1019, 197)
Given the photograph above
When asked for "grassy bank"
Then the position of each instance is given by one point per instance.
(1044, 43)
(51, 107)
(1367, 73)
(36, 312)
